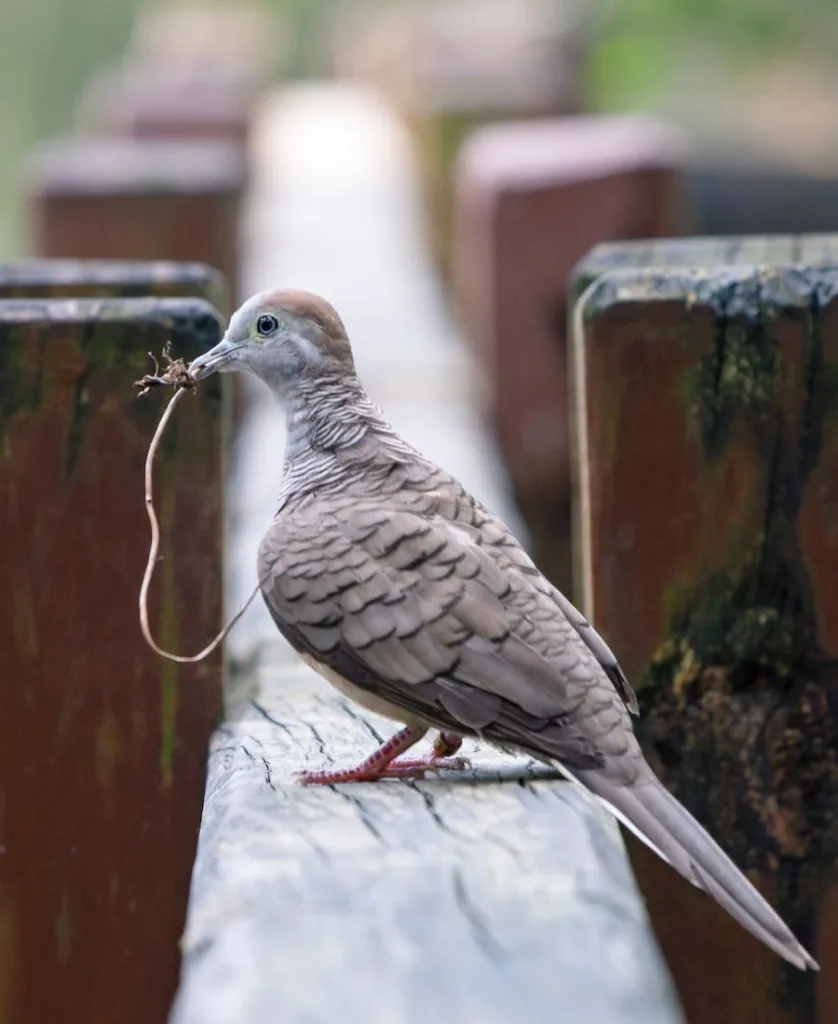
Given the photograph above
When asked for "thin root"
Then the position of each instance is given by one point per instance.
(174, 375)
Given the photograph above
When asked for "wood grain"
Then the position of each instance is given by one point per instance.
(498, 894)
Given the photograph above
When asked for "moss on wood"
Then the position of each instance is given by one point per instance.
(739, 700)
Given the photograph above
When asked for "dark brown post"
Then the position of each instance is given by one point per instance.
(531, 199)
(103, 759)
(125, 199)
(706, 453)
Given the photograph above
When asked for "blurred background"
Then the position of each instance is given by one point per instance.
(736, 73)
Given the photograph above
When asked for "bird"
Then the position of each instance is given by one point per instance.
(418, 603)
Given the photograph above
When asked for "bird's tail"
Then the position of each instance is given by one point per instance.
(656, 817)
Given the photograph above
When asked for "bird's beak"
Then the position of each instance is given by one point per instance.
(216, 359)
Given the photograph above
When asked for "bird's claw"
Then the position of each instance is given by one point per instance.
(419, 767)
(415, 768)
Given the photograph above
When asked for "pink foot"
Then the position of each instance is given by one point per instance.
(383, 764)
(416, 768)
(325, 777)
(412, 769)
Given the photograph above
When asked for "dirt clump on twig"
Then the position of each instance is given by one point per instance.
(175, 374)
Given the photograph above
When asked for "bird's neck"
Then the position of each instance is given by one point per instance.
(332, 427)
(326, 414)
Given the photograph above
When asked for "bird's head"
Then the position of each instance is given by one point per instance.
(281, 337)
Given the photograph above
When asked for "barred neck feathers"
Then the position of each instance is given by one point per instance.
(336, 436)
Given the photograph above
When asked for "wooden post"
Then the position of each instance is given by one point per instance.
(706, 453)
(103, 758)
(531, 199)
(52, 279)
(126, 199)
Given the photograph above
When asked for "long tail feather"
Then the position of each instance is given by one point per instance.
(657, 818)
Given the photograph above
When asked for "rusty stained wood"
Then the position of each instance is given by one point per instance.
(500, 894)
(102, 764)
(706, 415)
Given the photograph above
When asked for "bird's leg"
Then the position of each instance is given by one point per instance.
(382, 763)
(446, 744)
(370, 769)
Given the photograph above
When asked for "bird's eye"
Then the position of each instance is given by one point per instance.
(266, 325)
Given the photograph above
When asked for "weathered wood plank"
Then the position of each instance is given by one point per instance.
(53, 279)
(102, 764)
(500, 895)
(703, 254)
(706, 394)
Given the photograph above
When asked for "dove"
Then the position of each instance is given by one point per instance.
(417, 602)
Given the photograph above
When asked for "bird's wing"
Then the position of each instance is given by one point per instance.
(493, 534)
(415, 610)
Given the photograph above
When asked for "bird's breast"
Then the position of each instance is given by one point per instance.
(357, 694)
